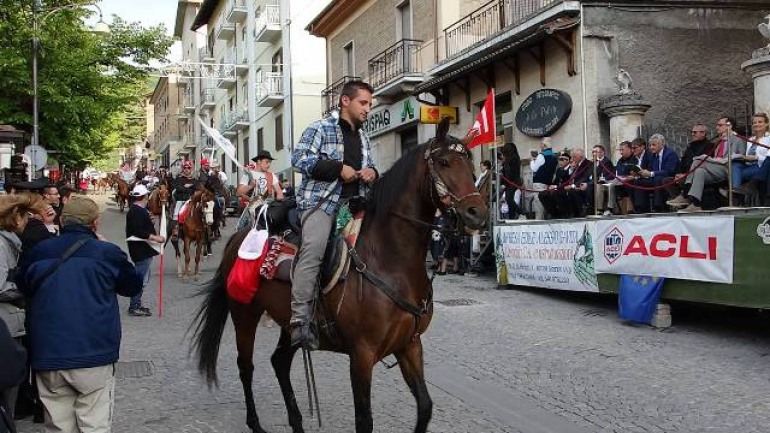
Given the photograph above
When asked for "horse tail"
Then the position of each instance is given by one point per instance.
(209, 322)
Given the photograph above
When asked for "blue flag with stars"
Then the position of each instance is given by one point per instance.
(638, 297)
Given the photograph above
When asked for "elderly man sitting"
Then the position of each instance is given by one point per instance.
(713, 170)
(660, 166)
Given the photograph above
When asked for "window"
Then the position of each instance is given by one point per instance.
(246, 149)
(404, 20)
(278, 133)
(260, 140)
(348, 60)
(278, 61)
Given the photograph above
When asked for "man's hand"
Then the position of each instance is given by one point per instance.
(645, 173)
(368, 175)
(348, 174)
(157, 238)
(678, 176)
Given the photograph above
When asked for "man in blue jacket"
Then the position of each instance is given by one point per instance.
(71, 282)
(660, 166)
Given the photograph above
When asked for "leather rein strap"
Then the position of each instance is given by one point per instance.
(403, 303)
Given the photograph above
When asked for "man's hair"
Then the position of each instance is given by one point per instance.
(599, 146)
(49, 186)
(762, 115)
(624, 144)
(351, 88)
(487, 163)
(65, 192)
(639, 141)
(659, 138)
(700, 125)
(729, 119)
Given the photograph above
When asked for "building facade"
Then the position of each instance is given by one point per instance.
(267, 76)
(167, 132)
(557, 66)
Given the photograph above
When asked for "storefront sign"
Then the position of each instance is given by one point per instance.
(543, 112)
(555, 256)
(384, 118)
(694, 248)
(432, 114)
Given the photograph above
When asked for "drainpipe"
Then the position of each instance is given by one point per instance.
(435, 31)
(583, 78)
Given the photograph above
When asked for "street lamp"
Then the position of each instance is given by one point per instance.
(100, 28)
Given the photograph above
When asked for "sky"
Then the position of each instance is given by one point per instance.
(147, 12)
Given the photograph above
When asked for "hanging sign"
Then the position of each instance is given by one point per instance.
(543, 112)
(432, 114)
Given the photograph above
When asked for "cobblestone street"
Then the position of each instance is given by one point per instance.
(520, 360)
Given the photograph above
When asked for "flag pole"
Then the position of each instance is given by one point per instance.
(160, 272)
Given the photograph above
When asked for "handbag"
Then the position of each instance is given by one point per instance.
(243, 280)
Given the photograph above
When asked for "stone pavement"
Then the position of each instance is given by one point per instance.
(526, 360)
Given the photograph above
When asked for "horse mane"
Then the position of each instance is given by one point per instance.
(391, 184)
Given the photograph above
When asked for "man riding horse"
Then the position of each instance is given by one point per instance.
(332, 171)
(184, 187)
(258, 187)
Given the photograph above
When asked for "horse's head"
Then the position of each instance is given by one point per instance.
(451, 168)
(207, 205)
(122, 187)
(163, 194)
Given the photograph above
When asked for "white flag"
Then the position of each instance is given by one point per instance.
(225, 144)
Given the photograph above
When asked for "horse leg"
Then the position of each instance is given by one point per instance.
(281, 360)
(198, 248)
(245, 321)
(361, 365)
(186, 258)
(411, 363)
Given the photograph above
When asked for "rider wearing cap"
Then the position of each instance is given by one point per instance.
(184, 187)
(203, 173)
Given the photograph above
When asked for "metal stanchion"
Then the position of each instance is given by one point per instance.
(729, 165)
(595, 155)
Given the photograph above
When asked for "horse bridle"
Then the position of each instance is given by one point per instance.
(440, 188)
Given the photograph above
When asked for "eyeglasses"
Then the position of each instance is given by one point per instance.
(698, 132)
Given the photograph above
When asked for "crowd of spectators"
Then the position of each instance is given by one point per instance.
(645, 176)
(59, 319)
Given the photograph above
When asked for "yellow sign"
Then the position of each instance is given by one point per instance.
(434, 113)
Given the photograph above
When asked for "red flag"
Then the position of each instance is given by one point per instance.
(484, 128)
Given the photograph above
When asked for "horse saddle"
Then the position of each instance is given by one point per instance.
(286, 238)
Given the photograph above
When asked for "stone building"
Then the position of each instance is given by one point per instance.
(167, 138)
(267, 71)
(681, 62)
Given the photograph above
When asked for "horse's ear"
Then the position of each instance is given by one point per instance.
(443, 129)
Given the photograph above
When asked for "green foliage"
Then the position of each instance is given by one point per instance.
(91, 87)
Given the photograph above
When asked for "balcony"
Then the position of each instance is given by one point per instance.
(206, 142)
(269, 87)
(205, 55)
(225, 31)
(236, 11)
(268, 26)
(397, 69)
(182, 115)
(189, 142)
(188, 103)
(238, 61)
(233, 122)
(490, 20)
(207, 99)
(330, 96)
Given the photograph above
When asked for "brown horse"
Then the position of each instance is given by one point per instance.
(381, 315)
(122, 196)
(199, 218)
(158, 201)
(103, 185)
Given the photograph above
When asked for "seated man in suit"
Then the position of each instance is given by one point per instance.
(713, 170)
(661, 165)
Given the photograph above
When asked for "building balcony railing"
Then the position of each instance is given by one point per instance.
(269, 89)
(182, 115)
(489, 20)
(241, 66)
(207, 98)
(233, 122)
(268, 25)
(397, 69)
(330, 96)
(225, 31)
(226, 83)
(236, 11)
(188, 103)
(205, 55)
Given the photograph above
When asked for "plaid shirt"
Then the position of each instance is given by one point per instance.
(322, 140)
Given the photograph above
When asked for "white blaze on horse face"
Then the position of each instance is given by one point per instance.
(208, 212)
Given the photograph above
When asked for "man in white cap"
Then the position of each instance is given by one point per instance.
(139, 224)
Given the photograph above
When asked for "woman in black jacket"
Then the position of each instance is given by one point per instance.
(511, 170)
(13, 359)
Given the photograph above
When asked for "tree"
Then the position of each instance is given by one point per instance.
(88, 85)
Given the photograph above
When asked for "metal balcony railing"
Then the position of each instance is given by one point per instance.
(207, 97)
(489, 20)
(268, 23)
(331, 94)
(401, 58)
(269, 84)
(205, 54)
